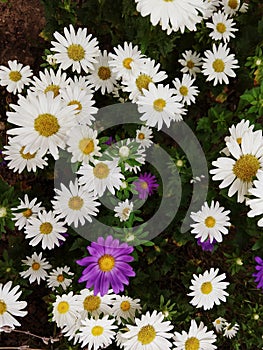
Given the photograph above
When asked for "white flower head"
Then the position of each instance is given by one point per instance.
(222, 26)
(191, 62)
(59, 277)
(230, 331)
(125, 308)
(144, 136)
(65, 310)
(230, 7)
(37, 268)
(219, 323)
(15, 76)
(185, 89)
(123, 210)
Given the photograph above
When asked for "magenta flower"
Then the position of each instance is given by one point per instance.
(259, 273)
(145, 185)
(107, 266)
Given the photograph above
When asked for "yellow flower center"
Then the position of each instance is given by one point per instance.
(233, 4)
(63, 307)
(60, 278)
(125, 305)
(104, 73)
(27, 213)
(91, 303)
(106, 262)
(127, 62)
(77, 103)
(97, 331)
(3, 307)
(221, 28)
(144, 185)
(206, 287)
(27, 155)
(76, 52)
(190, 64)
(146, 334)
(192, 344)
(46, 124)
(168, 0)
(218, 321)
(53, 88)
(218, 65)
(246, 167)
(183, 90)
(239, 140)
(86, 146)
(141, 136)
(143, 81)
(45, 228)
(35, 266)
(15, 76)
(101, 171)
(210, 221)
(159, 104)
(75, 203)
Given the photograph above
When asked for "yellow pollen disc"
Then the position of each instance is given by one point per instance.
(86, 146)
(218, 321)
(27, 155)
(46, 124)
(75, 203)
(106, 263)
(35, 266)
(27, 213)
(91, 303)
(53, 88)
(125, 305)
(15, 76)
(144, 185)
(127, 62)
(76, 52)
(3, 307)
(206, 287)
(192, 344)
(218, 65)
(146, 335)
(239, 140)
(168, 0)
(210, 221)
(104, 73)
(190, 64)
(101, 171)
(221, 28)
(63, 307)
(141, 136)
(183, 90)
(246, 167)
(77, 103)
(143, 81)
(233, 4)
(97, 331)
(60, 278)
(46, 228)
(159, 104)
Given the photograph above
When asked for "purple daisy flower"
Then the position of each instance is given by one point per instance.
(146, 185)
(206, 245)
(259, 273)
(107, 266)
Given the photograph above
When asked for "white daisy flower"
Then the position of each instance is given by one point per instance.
(37, 268)
(83, 144)
(82, 101)
(159, 105)
(27, 209)
(149, 73)
(81, 82)
(191, 62)
(211, 7)
(50, 81)
(125, 308)
(185, 89)
(256, 207)
(208, 289)
(230, 330)
(71, 331)
(218, 64)
(102, 76)
(126, 61)
(45, 229)
(101, 175)
(51, 60)
(65, 310)
(15, 77)
(75, 49)
(240, 168)
(196, 338)
(44, 122)
(210, 222)
(149, 333)
(222, 26)
(230, 7)
(19, 160)
(144, 136)
(123, 210)
(10, 306)
(95, 305)
(174, 14)
(97, 333)
(59, 277)
(219, 323)
(75, 204)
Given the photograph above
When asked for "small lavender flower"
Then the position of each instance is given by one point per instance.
(206, 245)
(146, 185)
(259, 273)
